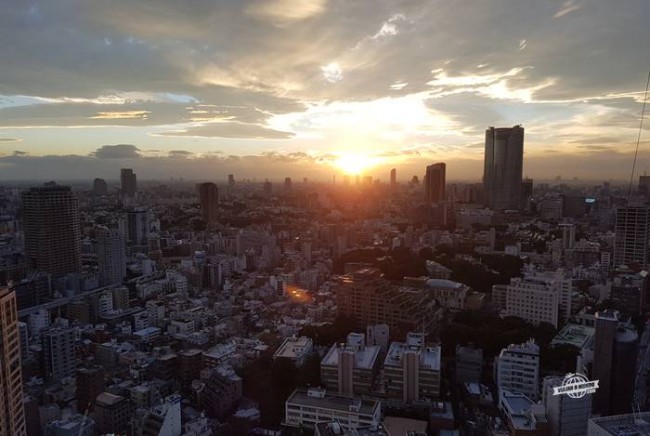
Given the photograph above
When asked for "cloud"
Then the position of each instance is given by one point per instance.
(332, 72)
(567, 7)
(5, 139)
(229, 130)
(119, 151)
(20, 153)
(179, 154)
(124, 115)
(286, 10)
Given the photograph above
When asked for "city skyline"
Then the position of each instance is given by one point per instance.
(300, 92)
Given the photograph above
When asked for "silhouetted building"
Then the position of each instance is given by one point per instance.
(12, 415)
(393, 177)
(267, 189)
(100, 187)
(434, 183)
(52, 233)
(111, 255)
(526, 191)
(606, 325)
(287, 184)
(644, 185)
(502, 176)
(209, 198)
(90, 383)
(128, 182)
(113, 413)
(632, 232)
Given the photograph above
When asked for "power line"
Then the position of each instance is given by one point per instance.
(638, 139)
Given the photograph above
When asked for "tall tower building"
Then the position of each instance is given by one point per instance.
(52, 233)
(59, 356)
(503, 166)
(287, 184)
(566, 416)
(435, 180)
(209, 199)
(606, 324)
(231, 180)
(632, 232)
(100, 187)
(12, 415)
(129, 182)
(393, 178)
(111, 254)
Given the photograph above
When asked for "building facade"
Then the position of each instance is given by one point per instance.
(503, 166)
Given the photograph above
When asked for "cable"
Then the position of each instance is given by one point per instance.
(638, 139)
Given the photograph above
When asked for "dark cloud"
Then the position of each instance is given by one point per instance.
(179, 154)
(20, 153)
(3, 139)
(119, 151)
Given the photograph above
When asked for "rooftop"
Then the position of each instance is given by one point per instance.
(623, 425)
(303, 397)
(108, 399)
(429, 356)
(294, 347)
(573, 334)
(442, 283)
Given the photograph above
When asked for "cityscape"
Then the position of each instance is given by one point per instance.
(382, 242)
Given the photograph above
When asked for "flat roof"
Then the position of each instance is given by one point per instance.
(108, 399)
(300, 397)
(573, 334)
(294, 347)
(363, 359)
(626, 424)
(429, 356)
(442, 283)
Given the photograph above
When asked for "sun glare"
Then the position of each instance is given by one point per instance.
(354, 163)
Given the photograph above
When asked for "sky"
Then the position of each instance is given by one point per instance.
(312, 88)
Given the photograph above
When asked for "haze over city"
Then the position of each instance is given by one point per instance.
(312, 88)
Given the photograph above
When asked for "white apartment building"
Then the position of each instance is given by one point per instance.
(540, 297)
(516, 369)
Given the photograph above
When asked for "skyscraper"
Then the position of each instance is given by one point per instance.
(393, 178)
(434, 183)
(209, 199)
(287, 184)
(606, 324)
(12, 415)
(566, 416)
(59, 355)
(632, 232)
(129, 182)
(52, 233)
(100, 187)
(111, 254)
(503, 166)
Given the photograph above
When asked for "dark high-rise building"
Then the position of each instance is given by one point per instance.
(287, 184)
(434, 183)
(632, 232)
(100, 187)
(606, 326)
(90, 383)
(526, 191)
(12, 415)
(503, 166)
(52, 233)
(231, 179)
(393, 178)
(59, 354)
(209, 199)
(111, 255)
(267, 189)
(129, 182)
(626, 350)
(644, 185)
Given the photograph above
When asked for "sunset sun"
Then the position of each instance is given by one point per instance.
(354, 163)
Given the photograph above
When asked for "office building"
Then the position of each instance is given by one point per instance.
(636, 424)
(99, 187)
(12, 415)
(450, 294)
(209, 199)
(296, 349)
(469, 364)
(644, 185)
(539, 297)
(90, 383)
(393, 178)
(59, 353)
(614, 364)
(52, 232)
(412, 369)
(516, 369)
(378, 334)
(351, 368)
(306, 408)
(222, 392)
(628, 292)
(566, 416)
(632, 230)
(523, 416)
(128, 182)
(113, 413)
(111, 255)
(267, 189)
(287, 184)
(502, 175)
(435, 183)
(526, 191)
(136, 225)
(371, 299)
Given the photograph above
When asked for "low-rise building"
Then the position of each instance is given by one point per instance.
(351, 368)
(295, 349)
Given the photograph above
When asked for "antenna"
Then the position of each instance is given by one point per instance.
(638, 139)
